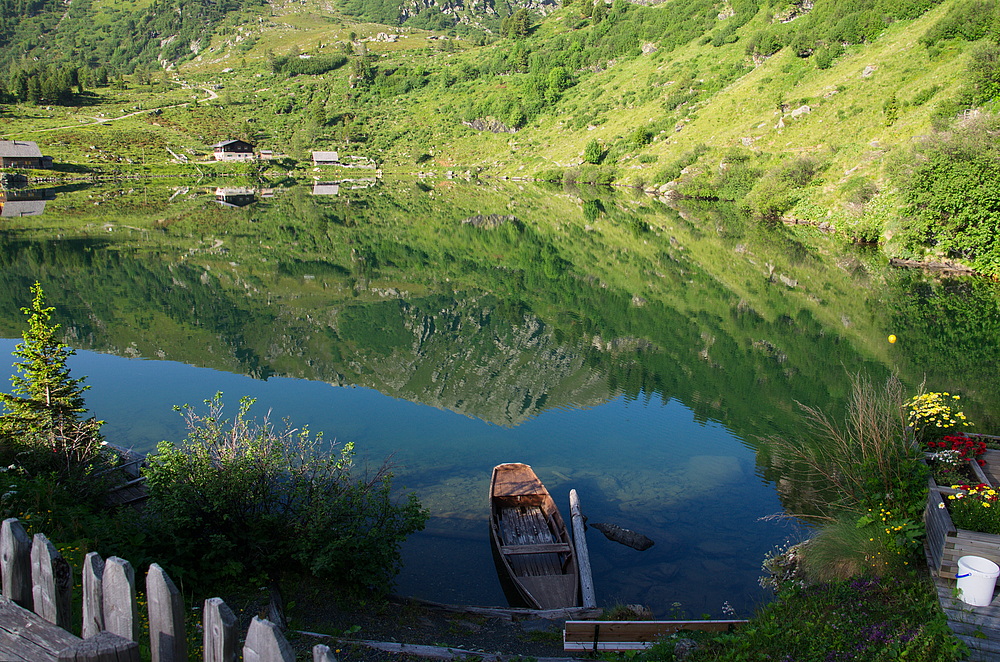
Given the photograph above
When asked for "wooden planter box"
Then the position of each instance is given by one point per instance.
(945, 542)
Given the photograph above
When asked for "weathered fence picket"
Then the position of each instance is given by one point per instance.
(36, 577)
(166, 617)
(265, 643)
(15, 555)
(121, 610)
(219, 631)
(51, 582)
(93, 595)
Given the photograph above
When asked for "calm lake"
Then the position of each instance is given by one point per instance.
(632, 351)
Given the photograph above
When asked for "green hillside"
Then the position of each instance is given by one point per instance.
(863, 114)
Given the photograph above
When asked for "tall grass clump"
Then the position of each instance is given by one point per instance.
(865, 484)
(865, 460)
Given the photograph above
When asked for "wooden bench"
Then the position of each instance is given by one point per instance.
(631, 635)
(542, 548)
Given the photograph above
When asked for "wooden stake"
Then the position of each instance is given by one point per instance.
(582, 553)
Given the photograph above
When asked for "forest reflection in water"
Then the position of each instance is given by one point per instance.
(621, 348)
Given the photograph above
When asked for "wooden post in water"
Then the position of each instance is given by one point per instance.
(582, 554)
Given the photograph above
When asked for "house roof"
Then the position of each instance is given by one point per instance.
(226, 143)
(325, 156)
(20, 149)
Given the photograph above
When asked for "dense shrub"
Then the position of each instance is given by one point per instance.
(952, 187)
(311, 66)
(970, 20)
(245, 497)
(868, 617)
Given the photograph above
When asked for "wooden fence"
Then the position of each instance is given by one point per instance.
(35, 612)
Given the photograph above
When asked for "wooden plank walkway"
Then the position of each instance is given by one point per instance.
(129, 487)
(978, 627)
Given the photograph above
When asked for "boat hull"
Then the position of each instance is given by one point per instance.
(532, 549)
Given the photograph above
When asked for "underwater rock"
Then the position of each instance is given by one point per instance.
(624, 536)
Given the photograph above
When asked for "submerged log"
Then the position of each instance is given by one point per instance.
(624, 536)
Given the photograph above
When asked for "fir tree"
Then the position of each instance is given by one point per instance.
(47, 405)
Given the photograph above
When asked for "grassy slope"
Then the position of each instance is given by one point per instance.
(846, 124)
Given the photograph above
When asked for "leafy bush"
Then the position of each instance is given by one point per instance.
(770, 197)
(244, 497)
(311, 66)
(952, 188)
(863, 618)
(970, 20)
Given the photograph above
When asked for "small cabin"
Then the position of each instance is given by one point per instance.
(233, 150)
(22, 154)
(326, 158)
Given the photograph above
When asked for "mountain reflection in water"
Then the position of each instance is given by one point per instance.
(621, 348)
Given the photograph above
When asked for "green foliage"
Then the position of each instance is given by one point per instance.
(826, 55)
(891, 110)
(982, 83)
(43, 85)
(54, 34)
(592, 153)
(851, 546)
(45, 411)
(975, 508)
(293, 65)
(952, 188)
(864, 462)
(829, 25)
(245, 497)
(517, 25)
(864, 618)
(640, 136)
(673, 171)
(969, 20)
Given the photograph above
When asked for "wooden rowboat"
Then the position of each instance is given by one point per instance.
(531, 547)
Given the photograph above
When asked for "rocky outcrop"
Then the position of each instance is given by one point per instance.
(490, 124)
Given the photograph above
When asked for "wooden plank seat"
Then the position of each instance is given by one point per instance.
(541, 548)
(631, 635)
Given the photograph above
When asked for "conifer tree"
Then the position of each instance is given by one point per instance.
(47, 405)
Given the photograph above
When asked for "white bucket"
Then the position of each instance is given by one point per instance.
(977, 577)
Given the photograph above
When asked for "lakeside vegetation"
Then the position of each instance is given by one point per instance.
(241, 500)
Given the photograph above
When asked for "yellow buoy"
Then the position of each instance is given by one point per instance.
(892, 339)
